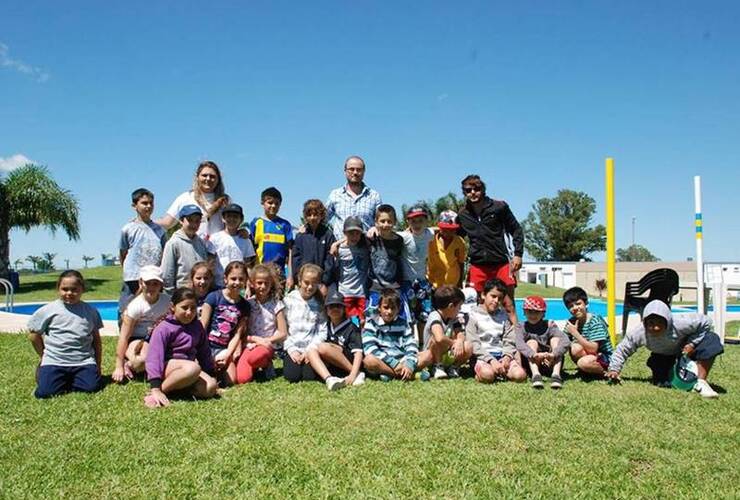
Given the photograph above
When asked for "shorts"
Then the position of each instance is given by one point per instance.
(54, 380)
(603, 359)
(419, 296)
(355, 307)
(662, 364)
(480, 273)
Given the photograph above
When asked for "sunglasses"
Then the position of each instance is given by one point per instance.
(470, 189)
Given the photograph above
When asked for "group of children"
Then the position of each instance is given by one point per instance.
(199, 314)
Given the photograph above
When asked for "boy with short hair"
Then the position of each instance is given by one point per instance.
(273, 235)
(231, 246)
(388, 341)
(444, 337)
(350, 269)
(447, 253)
(312, 245)
(416, 238)
(591, 348)
(185, 249)
(140, 244)
(667, 338)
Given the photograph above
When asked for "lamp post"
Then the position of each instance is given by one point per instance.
(633, 229)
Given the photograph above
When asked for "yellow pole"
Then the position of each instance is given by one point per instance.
(611, 285)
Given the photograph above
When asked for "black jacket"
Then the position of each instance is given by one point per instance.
(487, 232)
(313, 248)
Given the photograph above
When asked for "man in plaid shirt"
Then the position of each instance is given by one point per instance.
(352, 199)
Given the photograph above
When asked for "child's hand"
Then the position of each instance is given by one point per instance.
(613, 377)
(689, 349)
(156, 398)
(405, 372)
(506, 363)
(349, 379)
(372, 233)
(458, 348)
(498, 368)
(117, 375)
(334, 249)
(297, 357)
(261, 341)
(570, 328)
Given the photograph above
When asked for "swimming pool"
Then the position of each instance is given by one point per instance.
(555, 308)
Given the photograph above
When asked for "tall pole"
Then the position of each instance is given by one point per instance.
(699, 246)
(611, 285)
(633, 230)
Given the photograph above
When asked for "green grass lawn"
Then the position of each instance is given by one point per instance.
(452, 439)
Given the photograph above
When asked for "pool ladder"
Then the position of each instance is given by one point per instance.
(8, 286)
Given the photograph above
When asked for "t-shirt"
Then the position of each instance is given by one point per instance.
(68, 332)
(444, 263)
(417, 251)
(263, 317)
(225, 316)
(354, 268)
(144, 242)
(272, 239)
(386, 257)
(435, 318)
(146, 315)
(346, 335)
(596, 330)
(228, 249)
(208, 226)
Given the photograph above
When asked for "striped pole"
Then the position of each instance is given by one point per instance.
(611, 274)
(699, 246)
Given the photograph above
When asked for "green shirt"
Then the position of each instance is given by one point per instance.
(596, 330)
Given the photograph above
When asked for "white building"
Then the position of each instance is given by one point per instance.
(558, 274)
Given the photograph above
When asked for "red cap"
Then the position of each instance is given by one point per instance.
(535, 303)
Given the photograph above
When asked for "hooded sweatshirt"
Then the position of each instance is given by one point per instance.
(179, 256)
(173, 340)
(684, 329)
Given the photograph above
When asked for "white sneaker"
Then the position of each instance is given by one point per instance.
(334, 383)
(359, 379)
(439, 373)
(452, 372)
(705, 390)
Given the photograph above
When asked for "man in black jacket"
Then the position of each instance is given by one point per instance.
(486, 222)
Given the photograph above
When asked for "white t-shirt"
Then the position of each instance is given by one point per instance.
(145, 314)
(263, 317)
(228, 249)
(417, 253)
(207, 226)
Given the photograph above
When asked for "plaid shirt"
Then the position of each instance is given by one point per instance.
(341, 204)
(306, 323)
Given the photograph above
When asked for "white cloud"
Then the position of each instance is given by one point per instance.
(13, 162)
(34, 72)
(442, 97)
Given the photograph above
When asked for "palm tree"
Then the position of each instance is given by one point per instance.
(18, 263)
(87, 259)
(48, 261)
(30, 197)
(35, 260)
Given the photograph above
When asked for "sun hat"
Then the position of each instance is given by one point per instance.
(685, 374)
(352, 223)
(535, 303)
(416, 211)
(148, 273)
(334, 298)
(188, 210)
(448, 220)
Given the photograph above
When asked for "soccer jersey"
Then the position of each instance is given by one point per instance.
(272, 239)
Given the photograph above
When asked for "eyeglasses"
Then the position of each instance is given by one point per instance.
(354, 169)
(470, 189)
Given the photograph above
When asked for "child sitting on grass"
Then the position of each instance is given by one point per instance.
(304, 313)
(139, 319)
(444, 338)
(667, 338)
(342, 348)
(224, 316)
(541, 343)
(388, 341)
(491, 334)
(179, 358)
(66, 336)
(267, 325)
(591, 349)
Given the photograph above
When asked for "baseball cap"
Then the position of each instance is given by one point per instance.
(535, 303)
(448, 220)
(352, 223)
(234, 209)
(333, 298)
(416, 211)
(685, 374)
(148, 273)
(188, 210)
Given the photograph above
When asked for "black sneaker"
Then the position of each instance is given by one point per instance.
(537, 382)
(556, 382)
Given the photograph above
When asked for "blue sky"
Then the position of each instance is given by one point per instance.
(531, 95)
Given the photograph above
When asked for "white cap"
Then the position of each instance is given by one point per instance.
(148, 273)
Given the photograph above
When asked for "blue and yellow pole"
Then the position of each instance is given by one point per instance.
(611, 265)
(700, 304)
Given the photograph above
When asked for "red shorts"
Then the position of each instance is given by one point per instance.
(355, 306)
(480, 273)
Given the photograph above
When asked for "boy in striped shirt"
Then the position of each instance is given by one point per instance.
(591, 348)
(388, 341)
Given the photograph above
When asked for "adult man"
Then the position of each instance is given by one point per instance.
(486, 222)
(352, 199)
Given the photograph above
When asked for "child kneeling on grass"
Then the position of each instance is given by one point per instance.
(388, 341)
(491, 335)
(179, 358)
(667, 338)
(342, 348)
(66, 336)
(541, 343)
(591, 349)
(444, 338)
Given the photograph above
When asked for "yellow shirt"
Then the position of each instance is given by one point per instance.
(443, 266)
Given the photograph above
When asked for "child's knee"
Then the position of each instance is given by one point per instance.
(516, 374)
(576, 351)
(534, 345)
(484, 373)
(371, 363)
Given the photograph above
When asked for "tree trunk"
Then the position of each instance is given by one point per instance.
(4, 249)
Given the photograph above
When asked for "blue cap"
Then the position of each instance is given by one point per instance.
(189, 210)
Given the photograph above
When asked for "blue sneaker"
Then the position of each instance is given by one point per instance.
(384, 378)
(424, 375)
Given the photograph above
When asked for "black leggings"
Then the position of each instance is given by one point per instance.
(296, 373)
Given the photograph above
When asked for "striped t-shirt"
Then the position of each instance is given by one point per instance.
(596, 330)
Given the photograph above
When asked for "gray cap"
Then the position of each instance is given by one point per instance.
(353, 224)
(334, 297)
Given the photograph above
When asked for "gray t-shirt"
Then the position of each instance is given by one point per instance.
(144, 242)
(436, 319)
(354, 263)
(417, 253)
(67, 331)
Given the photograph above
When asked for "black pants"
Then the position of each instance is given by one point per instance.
(662, 364)
(296, 373)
